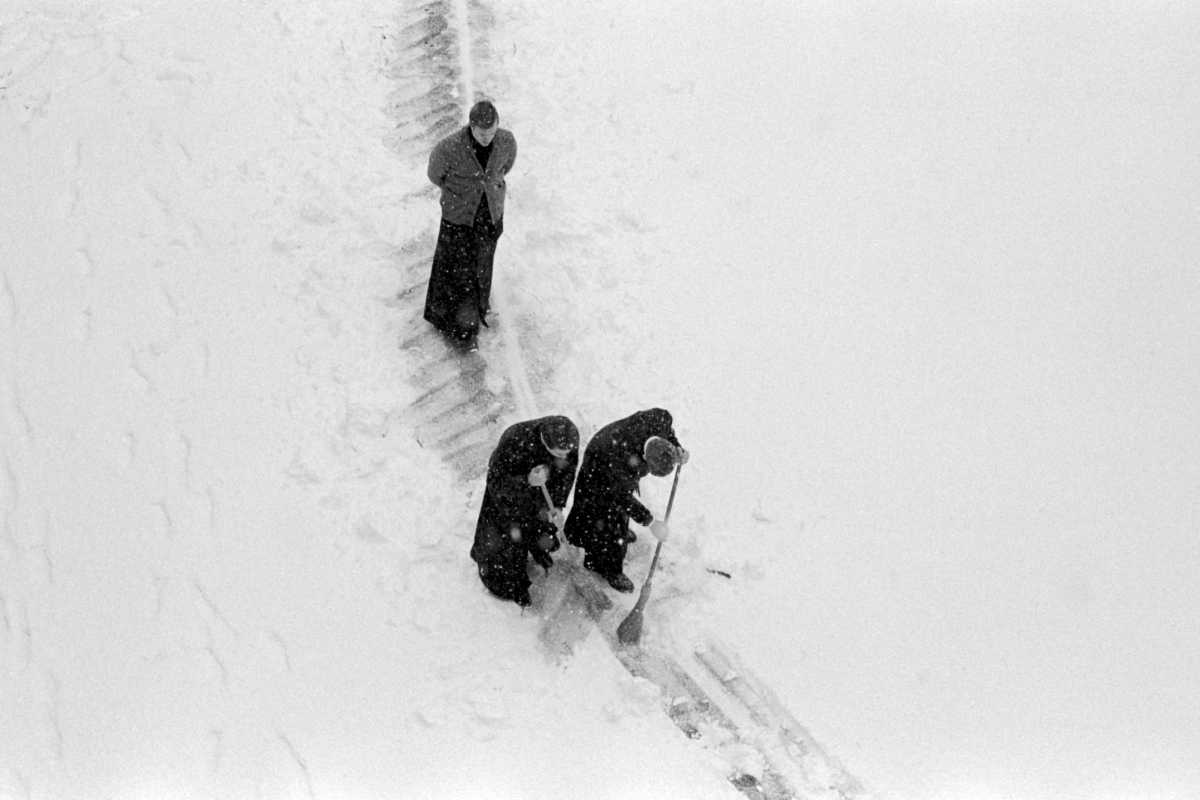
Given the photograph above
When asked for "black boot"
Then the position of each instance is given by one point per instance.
(620, 582)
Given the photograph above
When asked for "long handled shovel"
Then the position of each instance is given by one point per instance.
(550, 505)
(552, 509)
(630, 629)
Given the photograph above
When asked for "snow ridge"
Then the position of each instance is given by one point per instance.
(464, 400)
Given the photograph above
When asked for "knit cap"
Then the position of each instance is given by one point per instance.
(484, 114)
(660, 456)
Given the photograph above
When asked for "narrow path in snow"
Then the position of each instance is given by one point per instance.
(464, 399)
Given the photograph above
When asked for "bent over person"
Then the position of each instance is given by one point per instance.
(529, 478)
(469, 166)
(616, 459)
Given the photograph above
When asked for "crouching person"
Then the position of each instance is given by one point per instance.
(617, 458)
(530, 475)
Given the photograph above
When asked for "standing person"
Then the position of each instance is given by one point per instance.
(515, 521)
(469, 166)
(616, 459)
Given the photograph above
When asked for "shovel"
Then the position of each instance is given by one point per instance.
(630, 629)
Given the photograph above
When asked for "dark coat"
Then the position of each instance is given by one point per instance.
(605, 499)
(510, 503)
(455, 170)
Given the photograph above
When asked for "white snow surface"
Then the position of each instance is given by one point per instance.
(919, 284)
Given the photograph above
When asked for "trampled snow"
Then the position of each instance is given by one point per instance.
(919, 287)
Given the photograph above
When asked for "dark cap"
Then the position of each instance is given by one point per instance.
(660, 456)
(484, 114)
(559, 433)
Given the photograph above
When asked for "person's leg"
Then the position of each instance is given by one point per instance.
(466, 294)
(451, 297)
(484, 260)
(486, 234)
(505, 576)
(605, 555)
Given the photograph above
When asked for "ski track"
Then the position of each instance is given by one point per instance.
(462, 405)
(465, 400)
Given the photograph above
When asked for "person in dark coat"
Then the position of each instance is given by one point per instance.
(616, 459)
(516, 522)
(469, 166)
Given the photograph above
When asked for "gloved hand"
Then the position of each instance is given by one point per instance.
(539, 475)
(548, 542)
(681, 455)
(542, 558)
(557, 518)
(660, 530)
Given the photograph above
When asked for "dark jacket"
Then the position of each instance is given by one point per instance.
(510, 502)
(608, 480)
(455, 170)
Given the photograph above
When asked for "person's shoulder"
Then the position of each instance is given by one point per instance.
(520, 434)
(659, 415)
(450, 140)
(651, 416)
(529, 426)
(505, 137)
(520, 428)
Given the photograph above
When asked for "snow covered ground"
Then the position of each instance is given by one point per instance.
(920, 288)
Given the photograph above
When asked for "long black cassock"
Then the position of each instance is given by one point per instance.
(605, 497)
(513, 520)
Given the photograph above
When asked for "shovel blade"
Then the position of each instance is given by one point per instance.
(630, 629)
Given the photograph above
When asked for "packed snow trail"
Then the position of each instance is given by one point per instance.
(462, 405)
(235, 486)
(466, 399)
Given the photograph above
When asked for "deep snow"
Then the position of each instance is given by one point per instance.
(918, 284)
